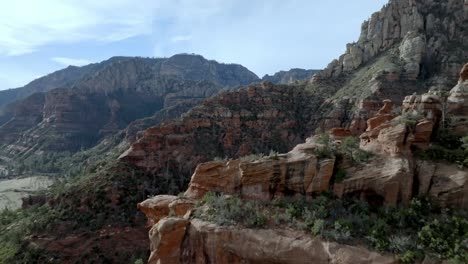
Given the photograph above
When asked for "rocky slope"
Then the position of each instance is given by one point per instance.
(76, 118)
(264, 117)
(411, 46)
(392, 175)
(290, 77)
(407, 47)
(63, 78)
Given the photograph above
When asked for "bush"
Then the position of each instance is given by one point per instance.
(437, 152)
(340, 175)
(326, 148)
(410, 119)
(422, 228)
(231, 210)
(447, 237)
(350, 147)
(317, 227)
(324, 152)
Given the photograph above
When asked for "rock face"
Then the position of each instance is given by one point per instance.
(421, 29)
(297, 172)
(62, 78)
(410, 46)
(290, 77)
(208, 243)
(256, 119)
(446, 182)
(166, 240)
(78, 117)
(178, 240)
(457, 103)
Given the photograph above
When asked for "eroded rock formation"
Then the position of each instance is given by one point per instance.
(419, 28)
(298, 171)
(187, 240)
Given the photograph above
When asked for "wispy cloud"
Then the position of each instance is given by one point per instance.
(26, 25)
(71, 61)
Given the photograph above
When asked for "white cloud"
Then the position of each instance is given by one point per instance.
(26, 25)
(71, 61)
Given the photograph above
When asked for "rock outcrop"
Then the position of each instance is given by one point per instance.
(297, 172)
(420, 29)
(256, 119)
(410, 46)
(290, 77)
(207, 243)
(457, 103)
(183, 240)
(447, 183)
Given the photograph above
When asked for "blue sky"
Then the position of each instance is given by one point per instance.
(39, 37)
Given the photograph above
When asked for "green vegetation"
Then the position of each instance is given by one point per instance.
(448, 147)
(231, 210)
(326, 148)
(420, 229)
(340, 175)
(410, 119)
(15, 225)
(350, 147)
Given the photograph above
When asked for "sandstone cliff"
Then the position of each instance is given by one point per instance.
(405, 60)
(407, 47)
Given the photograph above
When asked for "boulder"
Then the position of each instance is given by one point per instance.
(160, 206)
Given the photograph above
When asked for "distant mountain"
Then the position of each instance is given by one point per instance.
(105, 98)
(410, 46)
(290, 77)
(62, 78)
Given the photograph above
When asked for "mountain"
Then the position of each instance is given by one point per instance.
(366, 162)
(63, 78)
(407, 47)
(290, 77)
(122, 90)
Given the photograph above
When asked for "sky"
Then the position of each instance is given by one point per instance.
(39, 37)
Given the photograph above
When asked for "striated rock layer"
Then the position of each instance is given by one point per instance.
(183, 240)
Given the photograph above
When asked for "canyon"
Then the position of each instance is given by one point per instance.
(162, 144)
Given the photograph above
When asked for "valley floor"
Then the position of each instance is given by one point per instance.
(12, 190)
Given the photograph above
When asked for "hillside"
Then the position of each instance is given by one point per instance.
(365, 162)
(290, 77)
(63, 121)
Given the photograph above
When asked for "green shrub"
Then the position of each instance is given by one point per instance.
(340, 175)
(410, 119)
(350, 147)
(340, 232)
(317, 227)
(421, 228)
(326, 148)
(139, 261)
(410, 256)
(447, 237)
(324, 152)
(231, 210)
(437, 152)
